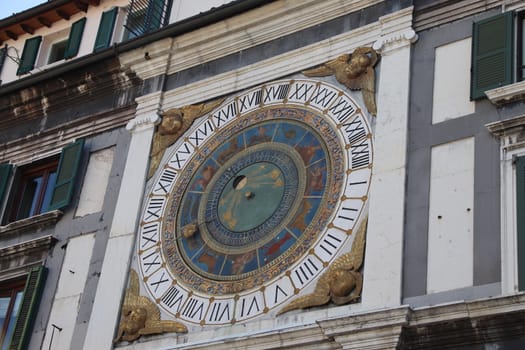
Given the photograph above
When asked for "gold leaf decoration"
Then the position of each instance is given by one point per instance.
(355, 71)
(140, 316)
(174, 123)
(341, 283)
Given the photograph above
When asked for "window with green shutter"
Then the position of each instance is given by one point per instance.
(75, 37)
(520, 211)
(3, 55)
(28, 308)
(28, 59)
(105, 29)
(5, 173)
(154, 15)
(66, 175)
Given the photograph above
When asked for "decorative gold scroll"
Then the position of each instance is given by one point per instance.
(140, 316)
(355, 71)
(341, 283)
(174, 123)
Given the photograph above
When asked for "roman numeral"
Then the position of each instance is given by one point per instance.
(166, 180)
(248, 307)
(301, 91)
(154, 260)
(274, 93)
(354, 130)
(192, 308)
(219, 311)
(342, 110)
(278, 290)
(250, 100)
(172, 297)
(348, 214)
(154, 208)
(180, 157)
(306, 271)
(162, 279)
(201, 133)
(225, 113)
(149, 234)
(360, 154)
(330, 244)
(323, 96)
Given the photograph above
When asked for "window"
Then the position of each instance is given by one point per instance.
(19, 301)
(10, 299)
(146, 16)
(62, 49)
(497, 54)
(57, 51)
(34, 190)
(520, 211)
(42, 186)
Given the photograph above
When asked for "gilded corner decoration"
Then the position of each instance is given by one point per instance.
(140, 316)
(174, 122)
(261, 195)
(341, 283)
(355, 71)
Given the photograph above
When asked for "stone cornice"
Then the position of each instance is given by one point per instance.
(28, 247)
(272, 68)
(261, 25)
(507, 126)
(32, 223)
(507, 94)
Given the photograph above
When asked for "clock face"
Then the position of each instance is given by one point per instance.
(254, 202)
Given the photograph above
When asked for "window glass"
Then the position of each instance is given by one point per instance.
(34, 190)
(57, 51)
(11, 294)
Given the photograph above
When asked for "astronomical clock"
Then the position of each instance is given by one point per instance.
(254, 204)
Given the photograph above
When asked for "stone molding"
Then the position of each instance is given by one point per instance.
(396, 31)
(147, 112)
(507, 94)
(32, 223)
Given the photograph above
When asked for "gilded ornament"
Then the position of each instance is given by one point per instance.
(174, 123)
(341, 283)
(355, 71)
(140, 316)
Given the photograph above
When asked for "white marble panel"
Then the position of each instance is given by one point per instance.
(450, 231)
(76, 265)
(95, 182)
(70, 287)
(452, 81)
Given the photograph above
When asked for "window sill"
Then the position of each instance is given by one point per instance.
(507, 94)
(32, 223)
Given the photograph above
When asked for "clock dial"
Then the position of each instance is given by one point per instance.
(256, 199)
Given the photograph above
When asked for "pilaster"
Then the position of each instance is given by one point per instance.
(384, 247)
(113, 276)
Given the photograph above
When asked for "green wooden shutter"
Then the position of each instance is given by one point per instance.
(520, 212)
(5, 172)
(75, 37)
(154, 15)
(27, 62)
(3, 54)
(105, 29)
(66, 174)
(29, 308)
(492, 52)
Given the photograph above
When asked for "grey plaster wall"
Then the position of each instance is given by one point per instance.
(69, 226)
(422, 136)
